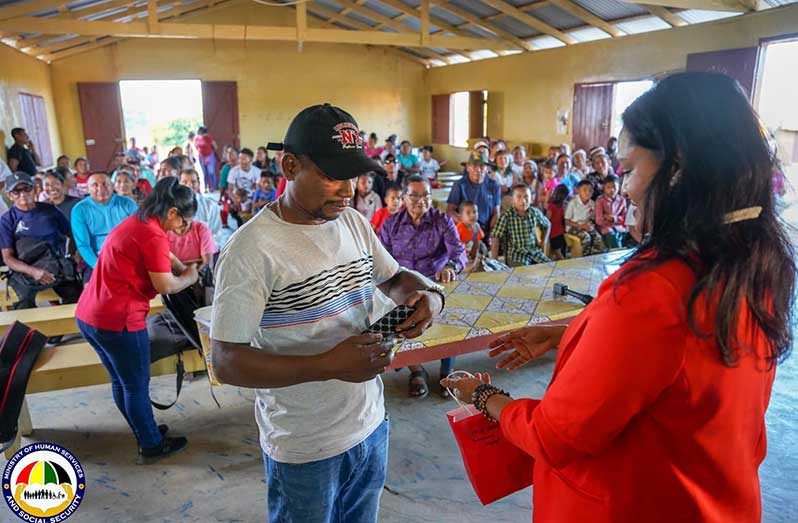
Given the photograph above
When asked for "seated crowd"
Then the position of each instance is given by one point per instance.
(504, 205)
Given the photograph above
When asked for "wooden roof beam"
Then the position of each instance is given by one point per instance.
(531, 21)
(669, 17)
(586, 16)
(472, 19)
(710, 5)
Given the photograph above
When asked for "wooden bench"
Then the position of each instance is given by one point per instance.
(73, 366)
(8, 297)
(58, 320)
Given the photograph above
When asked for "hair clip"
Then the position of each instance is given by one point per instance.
(741, 215)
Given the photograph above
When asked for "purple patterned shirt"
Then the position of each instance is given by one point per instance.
(425, 248)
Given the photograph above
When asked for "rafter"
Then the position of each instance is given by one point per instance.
(333, 16)
(472, 19)
(72, 51)
(347, 10)
(26, 8)
(87, 44)
(139, 29)
(588, 17)
(528, 7)
(531, 21)
(665, 14)
(711, 5)
(374, 15)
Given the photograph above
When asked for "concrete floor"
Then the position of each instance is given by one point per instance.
(219, 478)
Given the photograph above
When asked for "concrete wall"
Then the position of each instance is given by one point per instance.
(23, 74)
(534, 86)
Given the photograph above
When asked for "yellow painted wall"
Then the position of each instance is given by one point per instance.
(383, 92)
(534, 86)
(20, 73)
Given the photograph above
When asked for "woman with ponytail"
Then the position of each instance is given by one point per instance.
(134, 266)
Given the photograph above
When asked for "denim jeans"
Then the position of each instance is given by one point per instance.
(208, 164)
(343, 489)
(126, 357)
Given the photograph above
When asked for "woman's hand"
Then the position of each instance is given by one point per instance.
(526, 344)
(463, 388)
(446, 275)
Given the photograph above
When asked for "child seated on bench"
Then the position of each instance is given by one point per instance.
(516, 229)
(579, 217)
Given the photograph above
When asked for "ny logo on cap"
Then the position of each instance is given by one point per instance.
(348, 136)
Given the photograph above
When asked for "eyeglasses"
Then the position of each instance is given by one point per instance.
(25, 189)
(418, 197)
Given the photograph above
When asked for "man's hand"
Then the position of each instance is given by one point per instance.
(43, 277)
(446, 275)
(428, 305)
(358, 359)
(526, 344)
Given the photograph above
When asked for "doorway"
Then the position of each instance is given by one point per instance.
(161, 113)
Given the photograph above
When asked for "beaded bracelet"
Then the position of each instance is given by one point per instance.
(480, 398)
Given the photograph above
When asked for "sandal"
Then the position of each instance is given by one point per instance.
(418, 387)
(444, 391)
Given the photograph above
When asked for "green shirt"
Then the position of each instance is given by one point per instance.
(518, 235)
(223, 176)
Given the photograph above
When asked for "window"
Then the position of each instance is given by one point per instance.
(34, 115)
(459, 117)
(458, 121)
(626, 93)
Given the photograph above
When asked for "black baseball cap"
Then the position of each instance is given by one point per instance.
(331, 138)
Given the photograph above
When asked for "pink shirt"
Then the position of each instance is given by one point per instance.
(606, 208)
(192, 245)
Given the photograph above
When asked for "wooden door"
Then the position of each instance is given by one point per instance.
(103, 130)
(739, 64)
(440, 119)
(592, 121)
(34, 115)
(220, 112)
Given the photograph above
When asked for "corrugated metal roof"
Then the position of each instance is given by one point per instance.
(383, 9)
(698, 16)
(479, 32)
(362, 19)
(777, 3)
(415, 24)
(545, 42)
(477, 8)
(589, 34)
(556, 17)
(643, 25)
(446, 16)
(329, 4)
(519, 29)
(611, 9)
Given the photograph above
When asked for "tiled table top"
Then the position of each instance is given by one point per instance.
(482, 305)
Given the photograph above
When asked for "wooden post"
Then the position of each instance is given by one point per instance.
(424, 23)
(152, 17)
(301, 23)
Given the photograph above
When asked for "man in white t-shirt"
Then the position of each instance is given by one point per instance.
(244, 175)
(294, 291)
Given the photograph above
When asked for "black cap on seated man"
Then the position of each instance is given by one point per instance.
(330, 137)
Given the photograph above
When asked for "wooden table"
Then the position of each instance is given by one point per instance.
(58, 320)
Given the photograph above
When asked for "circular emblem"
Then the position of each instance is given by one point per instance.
(43, 482)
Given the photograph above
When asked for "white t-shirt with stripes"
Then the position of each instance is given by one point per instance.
(300, 290)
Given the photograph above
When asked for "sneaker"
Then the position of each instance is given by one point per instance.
(167, 448)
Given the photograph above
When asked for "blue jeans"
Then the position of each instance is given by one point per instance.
(208, 164)
(343, 489)
(126, 357)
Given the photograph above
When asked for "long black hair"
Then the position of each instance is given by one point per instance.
(168, 194)
(716, 159)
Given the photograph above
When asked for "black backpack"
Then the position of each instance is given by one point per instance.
(174, 330)
(19, 350)
(42, 255)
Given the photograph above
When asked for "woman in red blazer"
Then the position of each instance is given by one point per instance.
(656, 410)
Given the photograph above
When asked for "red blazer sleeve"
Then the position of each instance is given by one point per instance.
(631, 349)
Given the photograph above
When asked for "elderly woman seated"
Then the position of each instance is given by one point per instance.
(424, 239)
